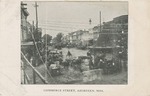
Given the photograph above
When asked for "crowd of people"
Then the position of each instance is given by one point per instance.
(54, 59)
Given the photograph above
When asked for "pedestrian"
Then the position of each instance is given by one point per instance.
(33, 61)
(96, 61)
(69, 53)
(91, 64)
(88, 53)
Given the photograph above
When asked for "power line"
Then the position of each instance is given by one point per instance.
(65, 24)
(85, 23)
(56, 29)
(58, 26)
(62, 22)
(72, 31)
(66, 27)
(62, 27)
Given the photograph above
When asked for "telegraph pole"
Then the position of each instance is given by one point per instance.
(46, 57)
(99, 22)
(36, 16)
(36, 29)
(33, 60)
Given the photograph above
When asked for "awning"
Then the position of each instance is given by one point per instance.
(91, 47)
(27, 43)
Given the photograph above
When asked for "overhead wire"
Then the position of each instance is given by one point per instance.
(56, 29)
(58, 26)
(64, 22)
(67, 25)
(62, 28)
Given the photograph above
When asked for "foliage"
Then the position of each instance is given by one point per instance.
(37, 35)
(59, 37)
(48, 38)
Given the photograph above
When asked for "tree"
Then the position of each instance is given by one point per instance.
(48, 38)
(59, 37)
(123, 46)
(37, 35)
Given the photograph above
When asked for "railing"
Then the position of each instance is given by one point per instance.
(26, 78)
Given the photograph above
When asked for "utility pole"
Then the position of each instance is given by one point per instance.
(33, 60)
(99, 22)
(36, 16)
(90, 21)
(36, 29)
(46, 57)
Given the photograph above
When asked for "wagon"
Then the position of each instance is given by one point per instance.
(106, 59)
(86, 63)
(55, 69)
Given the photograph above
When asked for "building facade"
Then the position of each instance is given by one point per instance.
(24, 23)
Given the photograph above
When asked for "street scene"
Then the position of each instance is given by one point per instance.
(74, 42)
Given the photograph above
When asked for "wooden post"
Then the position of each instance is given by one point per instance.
(46, 57)
(24, 77)
(27, 78)
(38, 74)
(36, 15)
(46, 71)
(100, 23)
(34, 75)
(23, 72)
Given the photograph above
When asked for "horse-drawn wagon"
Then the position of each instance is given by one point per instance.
(106, 59)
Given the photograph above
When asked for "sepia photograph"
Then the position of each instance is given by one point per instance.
(68, 42)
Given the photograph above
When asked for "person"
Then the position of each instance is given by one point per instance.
(69, 56)
(101, 61)
(60, 53)
(28, 56)
(96, 61)
(66, 64)
(78, 63)
(69, 53)
(88, 53)
(60, 59)
(91, 64)
(33, 60)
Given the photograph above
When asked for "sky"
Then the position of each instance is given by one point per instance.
(65, 17)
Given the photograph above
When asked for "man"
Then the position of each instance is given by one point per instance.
(88, 53)
(69, 53)
(91, 64)
(69, 56)
(33, 61)
(96, 61)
